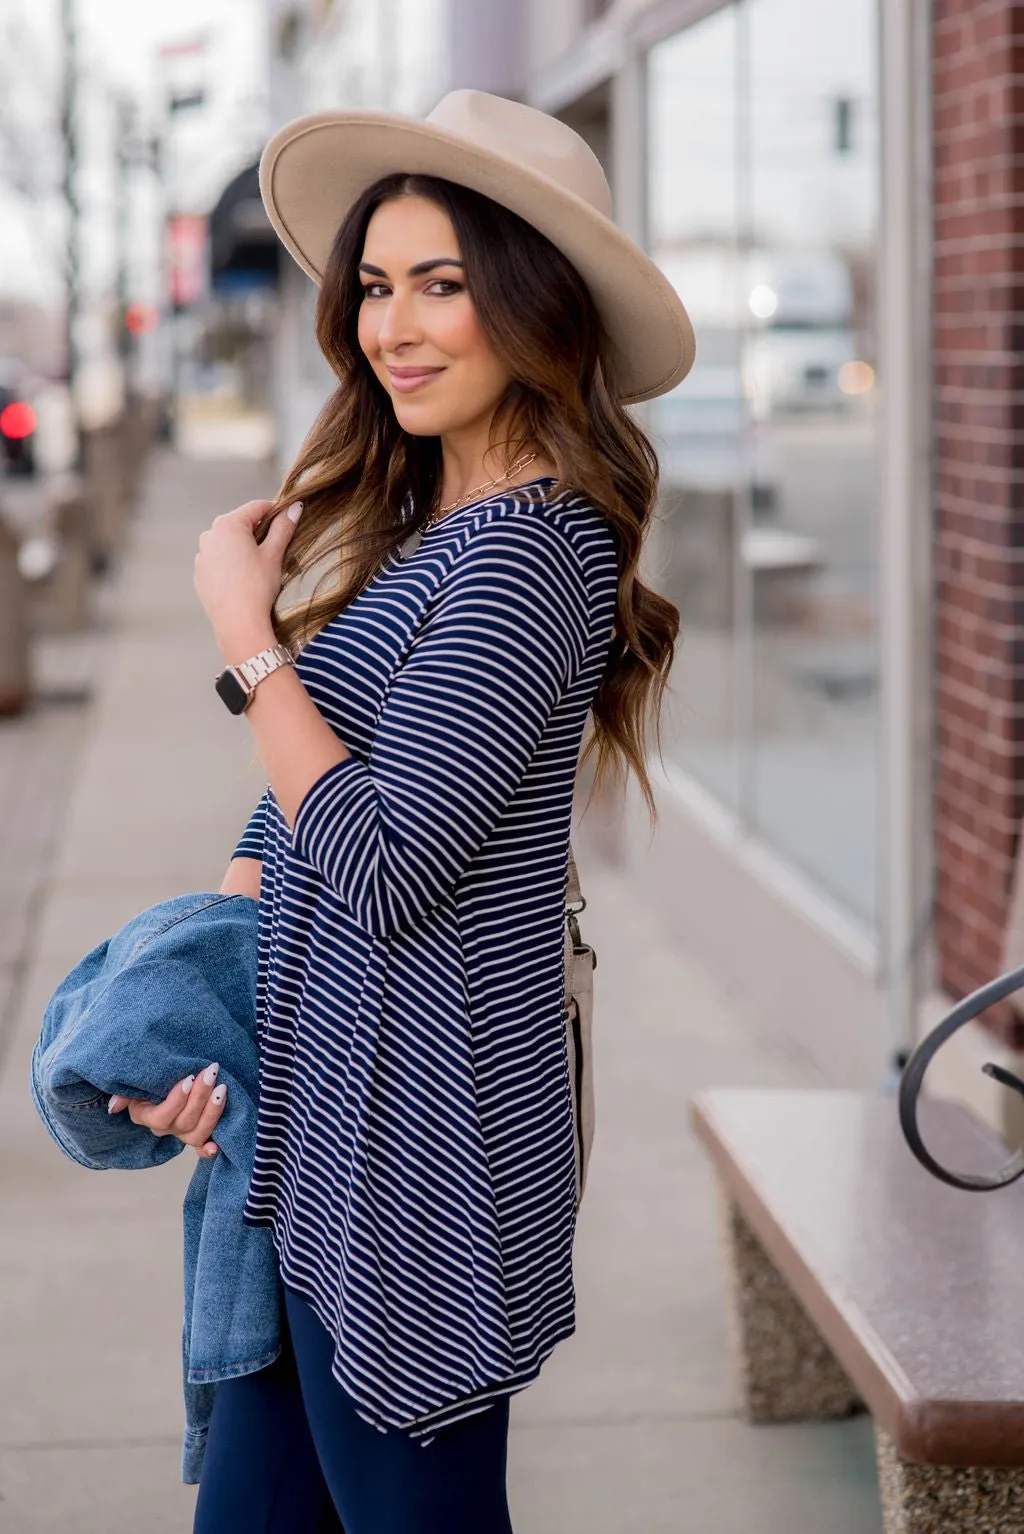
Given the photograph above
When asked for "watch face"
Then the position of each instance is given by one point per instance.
(232, 691)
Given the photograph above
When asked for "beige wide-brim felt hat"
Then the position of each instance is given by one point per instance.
(314, 169)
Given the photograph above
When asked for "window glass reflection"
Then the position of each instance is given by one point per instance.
(809, 379)
(693, 229)
(763, 189)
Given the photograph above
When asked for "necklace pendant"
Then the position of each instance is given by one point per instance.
(407, 549)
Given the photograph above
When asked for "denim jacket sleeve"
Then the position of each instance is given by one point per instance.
(78, 1122)
(173, 989)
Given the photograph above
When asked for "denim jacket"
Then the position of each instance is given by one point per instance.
(174, 990)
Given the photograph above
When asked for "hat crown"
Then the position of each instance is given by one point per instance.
(528, 138)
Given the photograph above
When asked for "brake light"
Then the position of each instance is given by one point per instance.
(17, 420)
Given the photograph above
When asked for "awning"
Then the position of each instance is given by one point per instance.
(244, 250)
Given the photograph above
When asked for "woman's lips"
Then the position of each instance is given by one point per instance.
(405, 380)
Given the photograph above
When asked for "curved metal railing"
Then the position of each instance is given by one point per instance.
(913, 1076)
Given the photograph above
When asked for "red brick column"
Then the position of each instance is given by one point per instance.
(978, 70)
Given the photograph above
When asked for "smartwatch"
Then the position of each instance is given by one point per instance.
(236, 684)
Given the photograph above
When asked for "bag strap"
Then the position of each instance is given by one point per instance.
(573, 893)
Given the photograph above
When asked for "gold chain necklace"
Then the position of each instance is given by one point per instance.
(407, 548)
(463, 500)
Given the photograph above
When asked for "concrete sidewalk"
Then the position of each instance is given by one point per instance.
(632, 1425)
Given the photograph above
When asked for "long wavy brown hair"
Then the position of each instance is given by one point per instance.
(357, 468)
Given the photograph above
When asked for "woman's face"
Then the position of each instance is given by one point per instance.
(417, 324)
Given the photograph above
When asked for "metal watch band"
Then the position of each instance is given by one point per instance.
(236, 684)
(258, 667)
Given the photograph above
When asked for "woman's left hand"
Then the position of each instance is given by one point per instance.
(238, 580)
(191, 1110)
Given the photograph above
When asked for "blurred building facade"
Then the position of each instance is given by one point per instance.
(842, 778)
(381, 54)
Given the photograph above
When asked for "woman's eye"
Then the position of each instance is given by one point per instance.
(440, 287)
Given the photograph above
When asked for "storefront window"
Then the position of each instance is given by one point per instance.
(763, 210)
(693, 225)
(809, 361)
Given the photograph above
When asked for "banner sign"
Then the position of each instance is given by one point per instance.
(186, 243)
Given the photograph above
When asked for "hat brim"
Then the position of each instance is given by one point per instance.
(315, 168)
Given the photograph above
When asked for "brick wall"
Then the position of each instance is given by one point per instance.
(978, 71)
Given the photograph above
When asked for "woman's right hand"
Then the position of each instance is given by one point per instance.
(191, 1110)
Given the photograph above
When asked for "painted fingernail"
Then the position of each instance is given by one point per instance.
(116, 1104)
(186, 1085)
(219, 1094)
(295, 511)
(210, 1074)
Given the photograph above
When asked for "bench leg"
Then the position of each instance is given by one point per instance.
(945, 1499)
(786, 1371)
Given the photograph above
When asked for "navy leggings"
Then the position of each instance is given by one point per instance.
(288, 1454)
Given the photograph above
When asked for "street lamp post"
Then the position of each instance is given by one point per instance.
(73, 247)
(175, 100)
(127, 158)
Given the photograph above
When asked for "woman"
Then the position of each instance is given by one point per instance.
(474, 500)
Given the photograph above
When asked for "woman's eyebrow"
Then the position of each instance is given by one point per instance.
(423, 267)
(419, 270)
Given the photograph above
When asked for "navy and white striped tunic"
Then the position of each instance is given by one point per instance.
(414, 1150)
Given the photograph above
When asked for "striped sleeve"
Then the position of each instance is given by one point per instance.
(251, 842)
(505, 637)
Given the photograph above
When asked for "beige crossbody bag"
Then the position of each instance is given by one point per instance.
(579, 1016)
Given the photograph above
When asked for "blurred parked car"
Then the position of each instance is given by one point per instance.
(800, 352)
(789, 370)
(775, 343)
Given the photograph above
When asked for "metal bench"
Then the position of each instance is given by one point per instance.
(857, 1281)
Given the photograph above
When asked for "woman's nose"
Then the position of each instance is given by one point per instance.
(398, 323)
